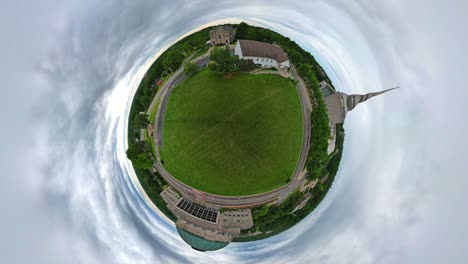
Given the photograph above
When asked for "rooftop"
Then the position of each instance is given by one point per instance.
(199, 243)
(252, 48)
(335, 108)
(226, 28)
(326, 89)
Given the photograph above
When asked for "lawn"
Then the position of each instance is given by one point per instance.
(236, 136)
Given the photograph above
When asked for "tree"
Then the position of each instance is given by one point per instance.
(223, 61)
(139, 160)
(173, 59)
(148, 90)
(145, 100)
(295, 56)
(191, 68)
(137, 152)
(140, 120)
(247, 65)
(242, 30)
(304, 70)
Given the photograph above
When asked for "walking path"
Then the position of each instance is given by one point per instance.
(163, 93)
(283, 72)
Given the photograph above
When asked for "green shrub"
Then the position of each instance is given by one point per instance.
(191, 68)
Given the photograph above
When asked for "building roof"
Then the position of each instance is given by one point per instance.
(226, 28)
(326, 89)
(199, 243)
(335, 108)
(252, 48)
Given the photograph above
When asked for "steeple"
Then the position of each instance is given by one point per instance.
(355, 99)
(339, 104)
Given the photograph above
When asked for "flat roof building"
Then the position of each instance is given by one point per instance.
(203, 226)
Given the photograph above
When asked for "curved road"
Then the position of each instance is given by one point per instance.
(278, 195)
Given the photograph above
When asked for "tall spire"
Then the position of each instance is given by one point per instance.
(338, 104)
(354, 99)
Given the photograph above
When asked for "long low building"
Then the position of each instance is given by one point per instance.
(265, 54)
(202, 226)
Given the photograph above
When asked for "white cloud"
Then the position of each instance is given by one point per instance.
(399, 196)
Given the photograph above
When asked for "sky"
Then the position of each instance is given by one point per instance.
(70, 69)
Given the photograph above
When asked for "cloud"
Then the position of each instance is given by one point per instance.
(69, 191)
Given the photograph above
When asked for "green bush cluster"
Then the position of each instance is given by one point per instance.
(317, 158)
(167, 63)
(140, 155)
(191, 68)
(223, 62)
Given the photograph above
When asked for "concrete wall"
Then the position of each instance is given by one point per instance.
(265, 62)
(226, 37)
(238, 51)
(285, 64)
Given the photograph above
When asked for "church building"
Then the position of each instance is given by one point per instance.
(222, 35)
(266, 54)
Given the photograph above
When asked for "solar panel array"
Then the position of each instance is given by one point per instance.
(198, 210)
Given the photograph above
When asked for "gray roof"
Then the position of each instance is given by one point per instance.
(228, 28)
(252, 48)
(326, 89)
(335, 108)
(225, 28)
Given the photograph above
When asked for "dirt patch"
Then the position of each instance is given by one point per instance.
(228, 75)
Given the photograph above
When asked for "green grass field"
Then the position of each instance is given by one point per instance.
(236, 136)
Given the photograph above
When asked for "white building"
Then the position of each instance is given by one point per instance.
(265, 54)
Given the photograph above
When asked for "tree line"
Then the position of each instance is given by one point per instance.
(320, 166)
(169, 61)
(139, 152)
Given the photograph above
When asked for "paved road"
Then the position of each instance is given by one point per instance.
(299, 174)
(160, 118)
(277, 195)
(177, 77)
(202, 61)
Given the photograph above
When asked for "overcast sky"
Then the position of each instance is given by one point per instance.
(70, 68)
